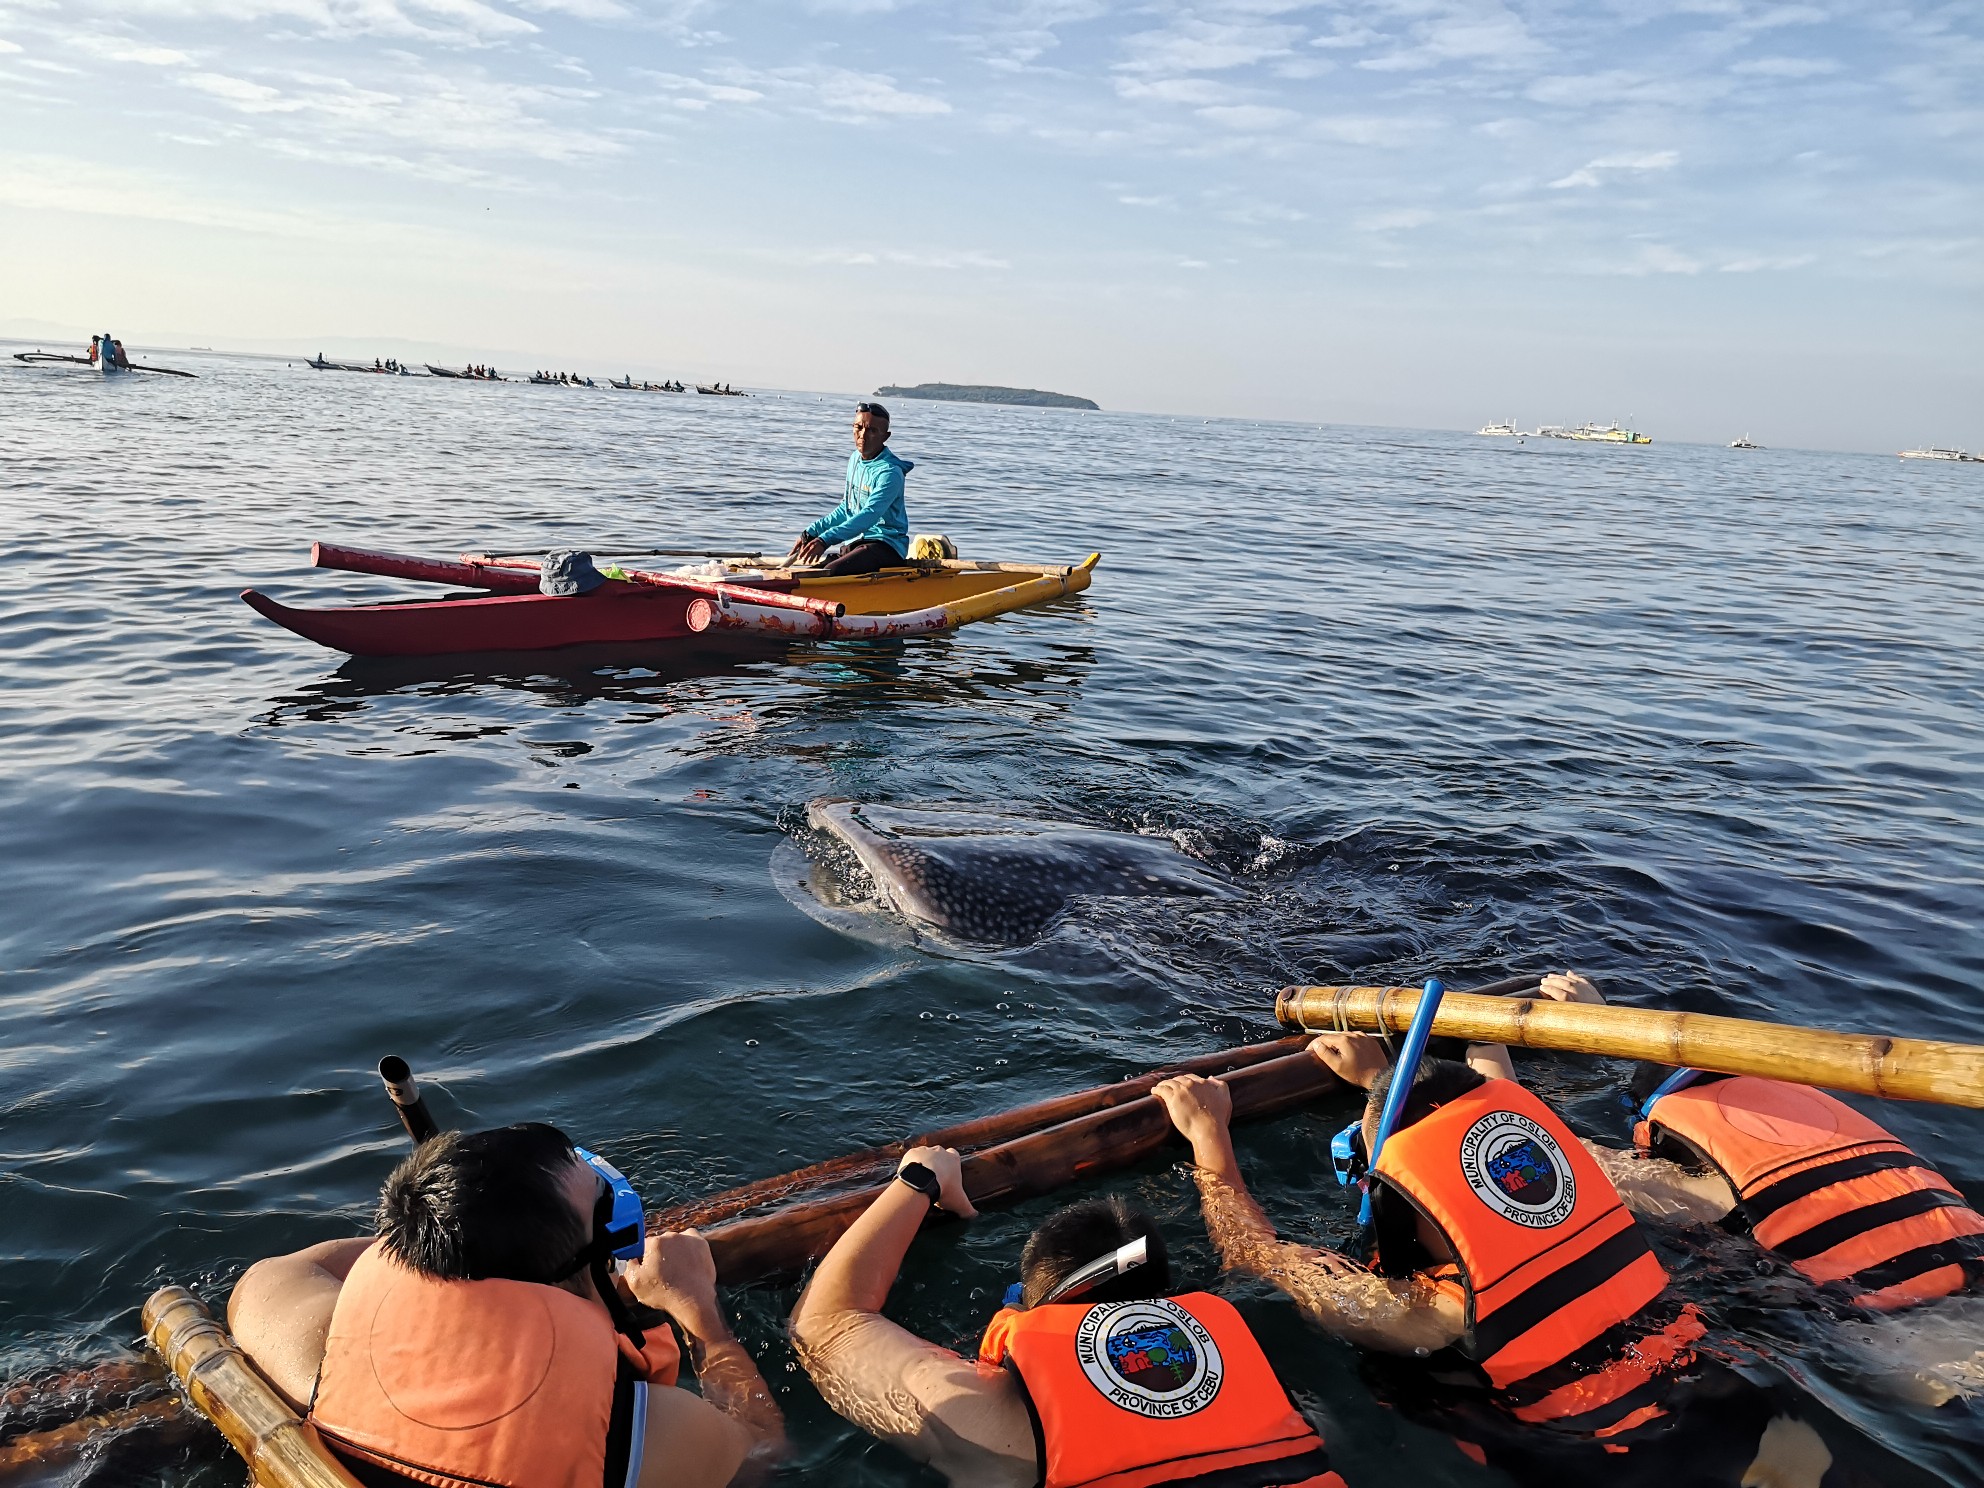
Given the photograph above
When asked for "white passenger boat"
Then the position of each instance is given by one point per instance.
(1506, 429)
(1938, 452)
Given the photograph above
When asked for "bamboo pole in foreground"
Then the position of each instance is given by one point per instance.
(1863, 1064)
(780, 1243)
(281, 1449)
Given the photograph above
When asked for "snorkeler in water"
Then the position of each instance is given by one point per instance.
(1504, 1264)
(1098, 1370)
(1816, 1184)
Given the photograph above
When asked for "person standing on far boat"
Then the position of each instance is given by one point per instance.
(482, 1337)
(872, 522)
(1094, 1371)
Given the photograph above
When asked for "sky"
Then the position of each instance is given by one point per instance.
(1708, 217)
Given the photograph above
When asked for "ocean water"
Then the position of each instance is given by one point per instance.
(1704, 723)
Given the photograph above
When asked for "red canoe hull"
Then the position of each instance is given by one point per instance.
(506, 622)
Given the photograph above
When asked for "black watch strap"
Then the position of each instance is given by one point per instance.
(922, 1180)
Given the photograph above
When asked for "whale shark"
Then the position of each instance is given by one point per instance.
(995, 878)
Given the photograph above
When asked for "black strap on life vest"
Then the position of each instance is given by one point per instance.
(1827, 1233)
(1766, 1201)
(1531, 1306)
(1966, 1251)
(621, 1426)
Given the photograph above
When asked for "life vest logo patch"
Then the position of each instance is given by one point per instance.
(1152, 1357)
(1517, 1169)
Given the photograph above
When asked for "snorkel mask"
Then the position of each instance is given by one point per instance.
(1094, 1274)
(1347, 1155)
(619, 1233)
(1678, 1080)
(618, 1222)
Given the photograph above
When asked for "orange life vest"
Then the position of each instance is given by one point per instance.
(1548, 1259)
(469, 1384)
(1173, 1390)
(1826, 1188)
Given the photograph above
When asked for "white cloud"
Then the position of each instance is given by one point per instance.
(839, 93)
(1496, 38)
(1786, 67)
(1178, 90)
(1407, 217)
(124, 49)
(1250, 117)
(252, 98)
(1591, 174)
(1765, 263)
(1658, 258)
(1193, 45)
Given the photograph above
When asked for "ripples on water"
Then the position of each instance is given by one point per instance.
(1704, 723)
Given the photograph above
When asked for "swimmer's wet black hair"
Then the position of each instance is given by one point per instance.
(1436, 1082)
(488, 1205)
(1070, 1238)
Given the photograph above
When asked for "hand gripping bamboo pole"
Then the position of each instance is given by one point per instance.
(763, 1247)
(1861, 1063)
(280, 1448)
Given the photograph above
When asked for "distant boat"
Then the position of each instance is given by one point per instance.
(1506, 429)
(1606, 434)
(1743, 443)
(1938, 452)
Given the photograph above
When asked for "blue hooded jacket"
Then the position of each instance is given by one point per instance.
(873, 507)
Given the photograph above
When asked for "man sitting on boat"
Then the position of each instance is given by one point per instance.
(480, 1337)
(1094, 1370)
(1502, 1257)
(871, 523)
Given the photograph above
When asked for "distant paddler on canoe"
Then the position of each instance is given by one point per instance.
(479, 1336)
(106, 354)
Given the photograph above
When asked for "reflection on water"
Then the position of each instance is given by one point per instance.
(1706, 728)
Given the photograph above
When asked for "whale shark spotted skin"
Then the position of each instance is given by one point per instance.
(989, 877)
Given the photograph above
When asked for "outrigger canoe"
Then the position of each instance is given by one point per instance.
(767, 603)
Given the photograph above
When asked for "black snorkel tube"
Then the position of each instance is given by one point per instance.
(407, 1099)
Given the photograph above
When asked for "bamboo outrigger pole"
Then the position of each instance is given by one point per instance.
(281, 1449)
(1860, 1063)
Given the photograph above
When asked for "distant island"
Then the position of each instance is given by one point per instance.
(957, 392)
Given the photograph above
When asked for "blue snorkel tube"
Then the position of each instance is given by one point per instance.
(1409, 1055)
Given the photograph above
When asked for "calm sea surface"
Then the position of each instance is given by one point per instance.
(1704, 723)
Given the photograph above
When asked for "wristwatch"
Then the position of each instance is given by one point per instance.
(922, 1180)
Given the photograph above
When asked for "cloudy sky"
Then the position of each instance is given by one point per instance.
(1711, 216)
